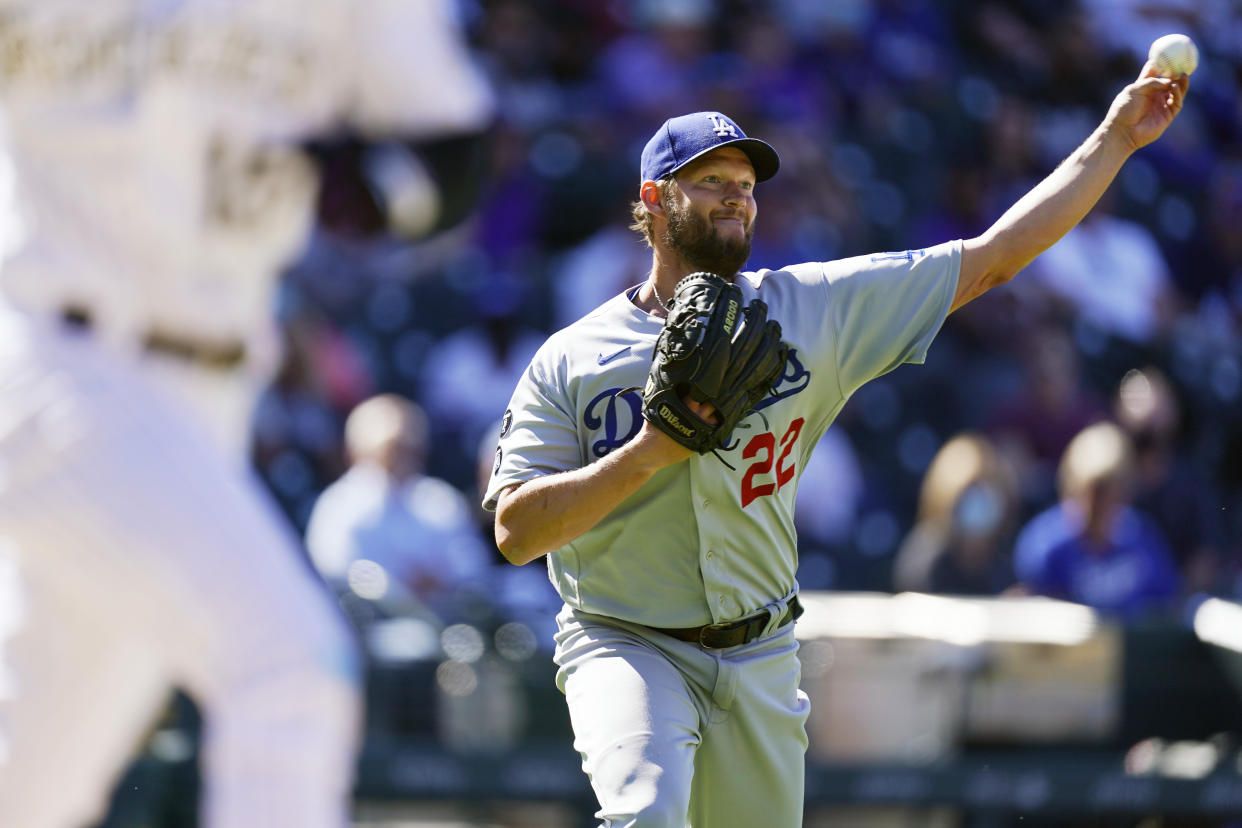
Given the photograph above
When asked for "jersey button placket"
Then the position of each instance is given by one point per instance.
(710, 546)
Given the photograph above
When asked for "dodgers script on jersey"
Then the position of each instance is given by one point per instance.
(846, 322)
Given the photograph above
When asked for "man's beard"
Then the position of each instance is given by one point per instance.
(695, 239)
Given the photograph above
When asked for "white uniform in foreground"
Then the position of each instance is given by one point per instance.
(150, 152)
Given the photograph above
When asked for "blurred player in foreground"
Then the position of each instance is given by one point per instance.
(154, 190)
(675, 646)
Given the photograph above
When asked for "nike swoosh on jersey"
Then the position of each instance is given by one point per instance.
(604, 360)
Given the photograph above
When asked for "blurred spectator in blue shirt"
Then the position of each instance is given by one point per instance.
(1093, 548)
(417, 529)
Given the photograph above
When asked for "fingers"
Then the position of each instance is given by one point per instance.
(1153, 84)
(705, 411)
(1183, 86)
(1174, 89)
(1150, 71)
(1178, 93)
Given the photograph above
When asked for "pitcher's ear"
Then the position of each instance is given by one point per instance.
(653, 198)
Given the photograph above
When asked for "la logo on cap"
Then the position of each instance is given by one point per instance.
(721, 126)
(682, 139)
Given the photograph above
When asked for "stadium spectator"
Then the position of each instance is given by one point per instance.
(418, 529)
(295, 440)
(1167, 487)
(660, 65)
(1035, 425)
(468, 375)
(967, 509)
(1093, 547)
(599, 268)
(522, 593)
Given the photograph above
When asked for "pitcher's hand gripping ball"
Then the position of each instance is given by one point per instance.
(714, 350)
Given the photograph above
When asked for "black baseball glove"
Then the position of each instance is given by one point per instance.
(717, 351)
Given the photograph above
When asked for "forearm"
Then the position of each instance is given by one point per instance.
(1046, 213)
(1052, 208)
(1139, 115)
(544, 514)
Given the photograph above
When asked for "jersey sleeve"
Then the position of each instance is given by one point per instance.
(415, 75)
(538, 434)
(887, 308)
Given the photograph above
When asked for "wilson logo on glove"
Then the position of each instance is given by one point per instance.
(670, 419)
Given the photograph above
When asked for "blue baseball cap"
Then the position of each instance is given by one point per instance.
(681, 140)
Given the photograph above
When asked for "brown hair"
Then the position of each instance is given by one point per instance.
(642, 219)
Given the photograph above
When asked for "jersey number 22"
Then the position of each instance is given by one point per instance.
(759, 480)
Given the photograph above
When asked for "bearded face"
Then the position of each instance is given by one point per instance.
(692, 236)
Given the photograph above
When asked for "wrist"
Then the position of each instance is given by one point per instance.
(1115, 139)
(654, 450)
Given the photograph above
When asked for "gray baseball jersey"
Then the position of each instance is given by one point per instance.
(727, 544)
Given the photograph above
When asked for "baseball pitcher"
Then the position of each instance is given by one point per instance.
(653, 449)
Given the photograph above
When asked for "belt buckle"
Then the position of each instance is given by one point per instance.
(703, 631)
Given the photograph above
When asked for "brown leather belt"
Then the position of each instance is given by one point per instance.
(222, 355)
(732, 633)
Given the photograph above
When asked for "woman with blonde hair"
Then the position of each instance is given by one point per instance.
(967, 505)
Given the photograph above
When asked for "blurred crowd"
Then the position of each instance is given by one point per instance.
(1076, 434)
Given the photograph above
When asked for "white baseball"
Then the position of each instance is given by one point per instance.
(1174, 55)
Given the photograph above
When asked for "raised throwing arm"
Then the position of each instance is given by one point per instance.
(1139, 115)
